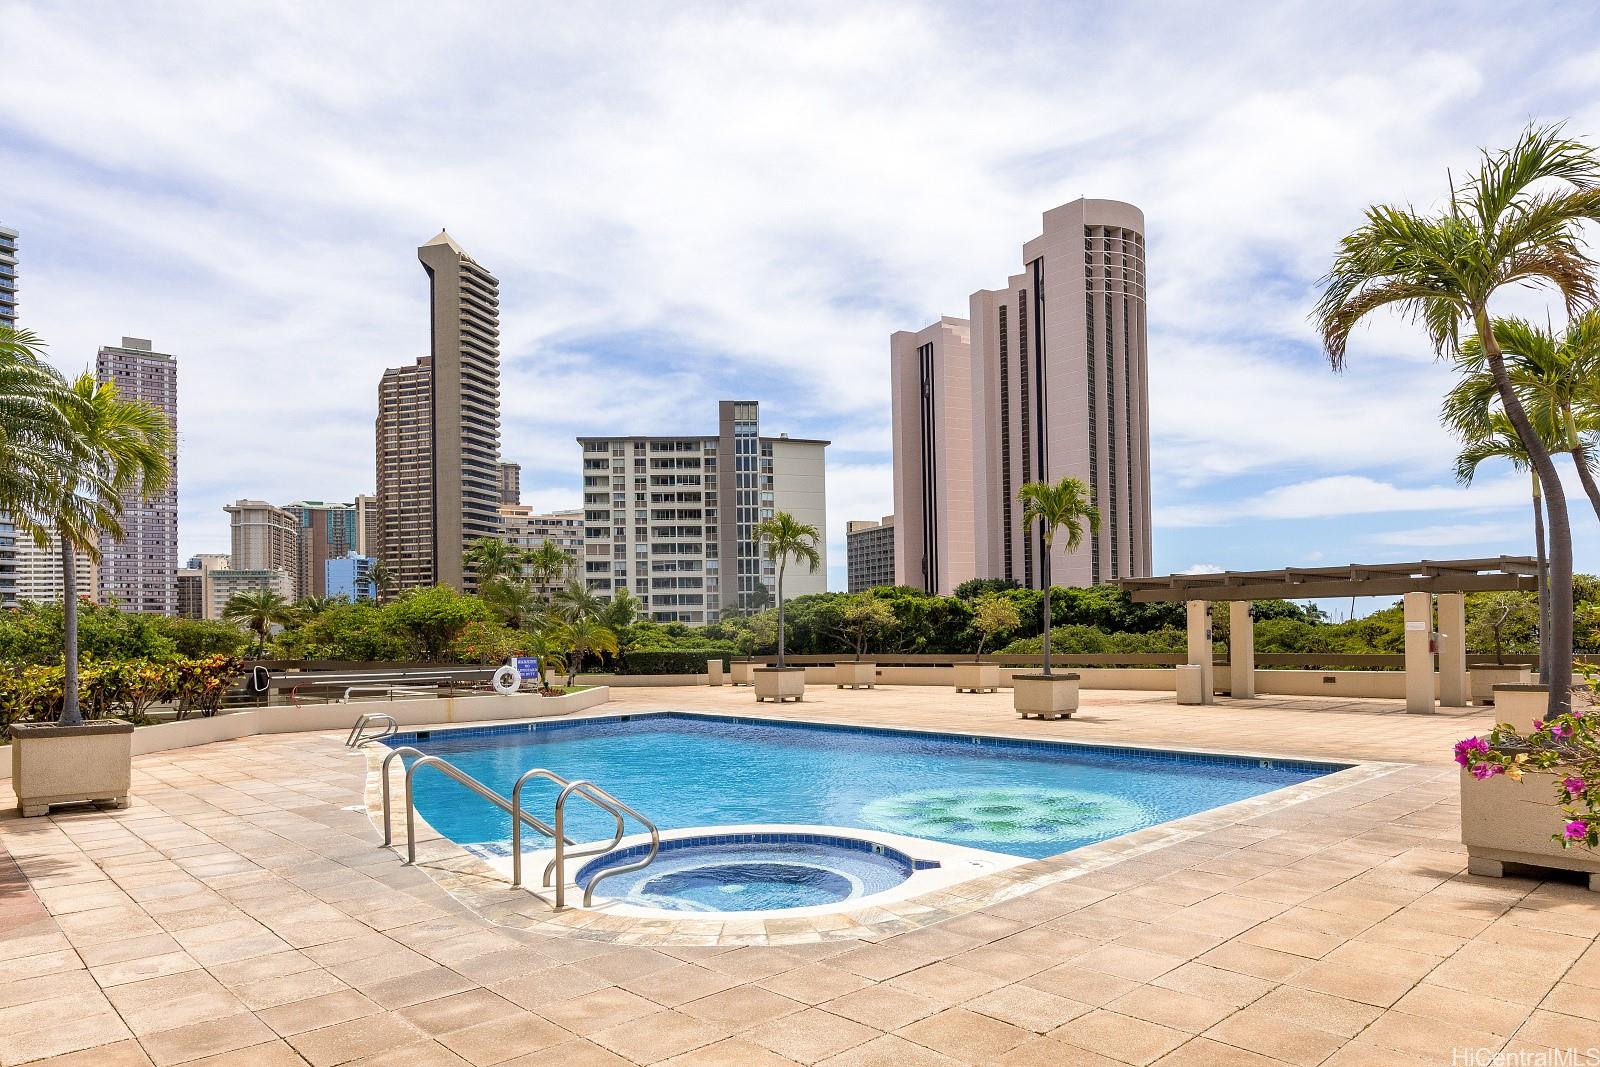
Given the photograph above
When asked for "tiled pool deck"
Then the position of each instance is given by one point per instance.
(239, 913)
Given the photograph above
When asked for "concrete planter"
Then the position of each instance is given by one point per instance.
(780, 683)
(1049, 696)
(977, 678)
(92, 763)
(742, 673)
(1519, 705)
(855, 675)
(1484, 679)
(1511, 822)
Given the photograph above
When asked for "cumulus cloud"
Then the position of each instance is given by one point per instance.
(700, 202)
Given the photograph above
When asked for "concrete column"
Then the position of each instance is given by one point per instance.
(1241, 649)
(1419, 660)
(714, 671)
(1200, 654)
(1454, 687)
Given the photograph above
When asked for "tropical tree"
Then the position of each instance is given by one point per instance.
(1062, 506)
(619, 616)
(1517, 222)
(548, 646)
(580, 637)
(576, 600)
(309, 607)
(786, 538)
(491, 558)
(32, 427)
(258, 611)
(1556, 378)
(549, 564)
(1497, 439)
(513, 600)
(863, 617)
(112, 447)
(382, 578)
(993, 614)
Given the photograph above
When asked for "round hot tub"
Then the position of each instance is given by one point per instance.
(752, 872)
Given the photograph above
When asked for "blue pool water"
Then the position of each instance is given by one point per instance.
(1032, 799)
(756, 875)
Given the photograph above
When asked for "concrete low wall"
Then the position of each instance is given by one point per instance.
(189, 733)
(625, 681)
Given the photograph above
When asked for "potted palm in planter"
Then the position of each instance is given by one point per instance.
(1062, 506)
(70, 453)
(861, 618)
(786, 538)
(1532, 797)
(992, 616)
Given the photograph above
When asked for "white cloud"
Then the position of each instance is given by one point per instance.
(1452, 534)
(689, 203)
(1347, 494)
(1202, 568)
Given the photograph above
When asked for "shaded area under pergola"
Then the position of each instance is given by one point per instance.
(1420, 585)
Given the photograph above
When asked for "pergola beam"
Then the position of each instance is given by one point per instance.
(1356, 579)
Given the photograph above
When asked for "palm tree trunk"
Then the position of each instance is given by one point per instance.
(1586, 476)
(71, 713)
(781, 563)
(1543, 579)
(1560, 525)
(1044, 572)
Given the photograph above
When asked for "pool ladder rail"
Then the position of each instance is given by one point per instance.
(565, 848)
(358, 736)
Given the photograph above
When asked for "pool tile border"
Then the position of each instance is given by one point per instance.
(476, 885)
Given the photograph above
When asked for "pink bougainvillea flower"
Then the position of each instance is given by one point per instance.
(1573, 786)
(1561, 729)
(1538, 724)
(1465, 748)
(1577, 830)
(1481, 771)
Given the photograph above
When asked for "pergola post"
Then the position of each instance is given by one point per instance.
(1453, 685)
(1201, 653)
(1419, 654)
(1241, 649)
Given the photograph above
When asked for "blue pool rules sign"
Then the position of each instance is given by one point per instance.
(527, 667)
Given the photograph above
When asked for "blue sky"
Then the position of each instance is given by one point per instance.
(698, 202)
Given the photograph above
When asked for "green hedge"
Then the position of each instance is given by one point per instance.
(682, 661)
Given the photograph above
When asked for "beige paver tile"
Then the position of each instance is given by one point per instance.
(1469, 1010)
(1027, 1007)
(1214, 983)
(890, 1051)
(729, 1052)
(574, 1052)
(1121, 1037)
(810, 1035)
(209, 1038)
(313, 1013)
(1202, 1052)
(740, 1007)
(1076, 983)
(1134, 964)
(945, 983)
(276, 1053)
(549, 987)
(456, 1011)
(1244, 958)
(659, 1036)
(814, 983)
(597, 1011)
(882, 1007)
(117, 1054)
(1258, 1030)
(1181, 1011)
(513, 1034)
(1048, 1052)
(964, 1035)
(85, 1030)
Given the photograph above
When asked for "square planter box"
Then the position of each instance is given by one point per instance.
(1049, 696)
(855, 675)
(1505, 821)
(71, 764)
(742, 673)
(780, 683)
(1482, 681)
(977, 678)
(1519, 705)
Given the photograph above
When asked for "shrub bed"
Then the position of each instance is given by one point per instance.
(682, 661)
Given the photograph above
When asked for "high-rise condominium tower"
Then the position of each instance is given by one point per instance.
(263, 537)
(1058, 384)
(8, 276)
(140, 571)
(428, 525)
(673, 518)
(931, 395)
(869, 553)
(510, 483)
(369, 525)
(323, 531)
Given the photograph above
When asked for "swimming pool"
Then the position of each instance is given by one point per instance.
(1018, 797)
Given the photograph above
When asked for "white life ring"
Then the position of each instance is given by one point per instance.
(507, 681)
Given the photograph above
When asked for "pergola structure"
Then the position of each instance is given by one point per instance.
(1420, 585)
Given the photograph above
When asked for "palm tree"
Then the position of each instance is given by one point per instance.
(513, 600)
(618, 616)
(491, 558)
(32, 427)
(549, 563)
(112, 447)
(1557, 380)
(1498, 440)
(577, 601)
(258, 610)
(787, 538)
(1441, 270)
(580, 637)
(381, 578)
(547, 645)
(1064, 505)
(309, 607)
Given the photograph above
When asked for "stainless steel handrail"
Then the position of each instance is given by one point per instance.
(356, 739)
(450, 770)
(595, 792)
(389, 691)
(516, 825)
